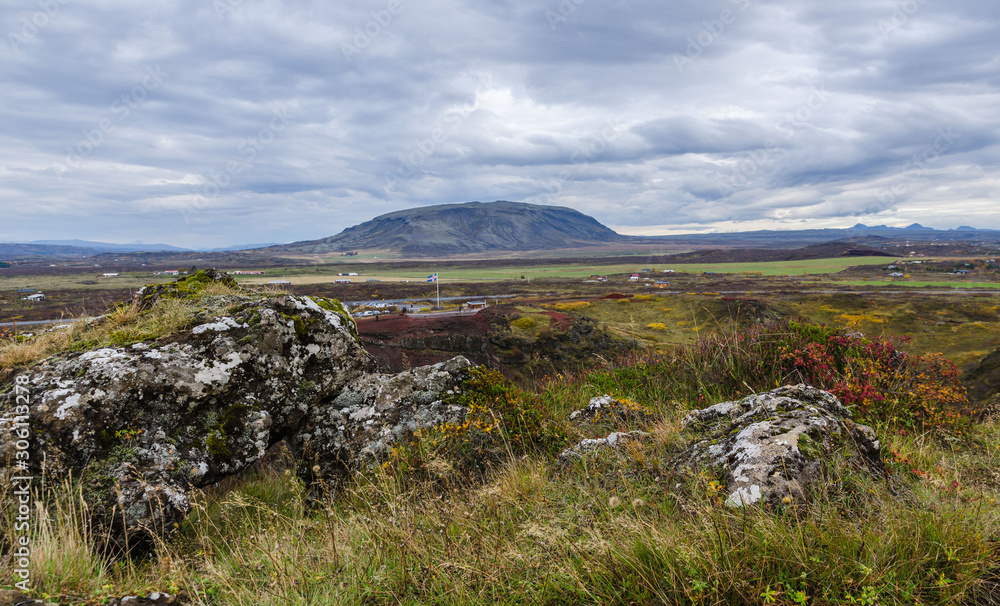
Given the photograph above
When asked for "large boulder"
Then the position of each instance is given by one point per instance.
(770, 447)
(146, 422)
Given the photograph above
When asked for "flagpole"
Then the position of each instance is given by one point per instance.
(437, 283)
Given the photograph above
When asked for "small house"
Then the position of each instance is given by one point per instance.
(477, 304)
(111, 275)
(342, 281)
(634, 277)
(35, 297)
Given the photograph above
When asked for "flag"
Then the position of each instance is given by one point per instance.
(432, 278)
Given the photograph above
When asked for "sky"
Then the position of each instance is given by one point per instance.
(208, 123)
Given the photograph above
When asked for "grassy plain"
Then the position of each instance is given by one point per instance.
(313, 275)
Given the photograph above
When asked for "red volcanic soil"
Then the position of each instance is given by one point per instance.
(406, 341)
(559, 321)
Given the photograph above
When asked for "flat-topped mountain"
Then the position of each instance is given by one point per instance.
(452, 229)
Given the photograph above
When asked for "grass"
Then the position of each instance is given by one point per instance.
(125, 324)
(484, 513)
(922, 283)
(567, 270)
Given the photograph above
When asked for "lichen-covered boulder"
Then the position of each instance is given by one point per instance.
(146, 422)
(771, 446)
(374, 411)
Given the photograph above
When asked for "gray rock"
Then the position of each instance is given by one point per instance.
(609, 408)
(773, 445)
(151, 420)
(614, 440)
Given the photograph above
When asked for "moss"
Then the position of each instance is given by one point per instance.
(254, 318)
(300, 326)
(338, 308)
(216, 443)
(810, 446)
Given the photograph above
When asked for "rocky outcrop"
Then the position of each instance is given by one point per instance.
(612, 441)
(374, 411)
(146, 422)
(770, 447)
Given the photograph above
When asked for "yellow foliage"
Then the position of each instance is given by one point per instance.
(657, 326)
(525, 323)
(572, 306)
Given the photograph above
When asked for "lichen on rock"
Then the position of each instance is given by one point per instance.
(143, 424)
(773, 445)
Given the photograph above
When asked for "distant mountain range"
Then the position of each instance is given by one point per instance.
(87, 248)
(478, 227)
(502, 226)
(108, 247)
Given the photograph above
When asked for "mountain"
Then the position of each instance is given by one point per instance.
(472, 227)
(108, 246)
(236, 247)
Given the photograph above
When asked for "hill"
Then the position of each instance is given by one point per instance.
(451, 229)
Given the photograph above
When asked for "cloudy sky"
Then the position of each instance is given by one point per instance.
(216, 122)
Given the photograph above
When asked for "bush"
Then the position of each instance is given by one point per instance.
(524, 323)
(502, 422)
(572, 306)
(872, 376)
(657, 326)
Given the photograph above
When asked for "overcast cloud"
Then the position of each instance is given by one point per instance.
(216, 122)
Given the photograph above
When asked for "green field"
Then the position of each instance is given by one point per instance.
(920, 283)
(574, 270)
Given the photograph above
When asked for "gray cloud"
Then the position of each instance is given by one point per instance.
(636, 112)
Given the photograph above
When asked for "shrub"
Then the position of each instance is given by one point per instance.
(502, 422)
(657, 326)
(873, 376)
(572, 306)
(524, 323)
